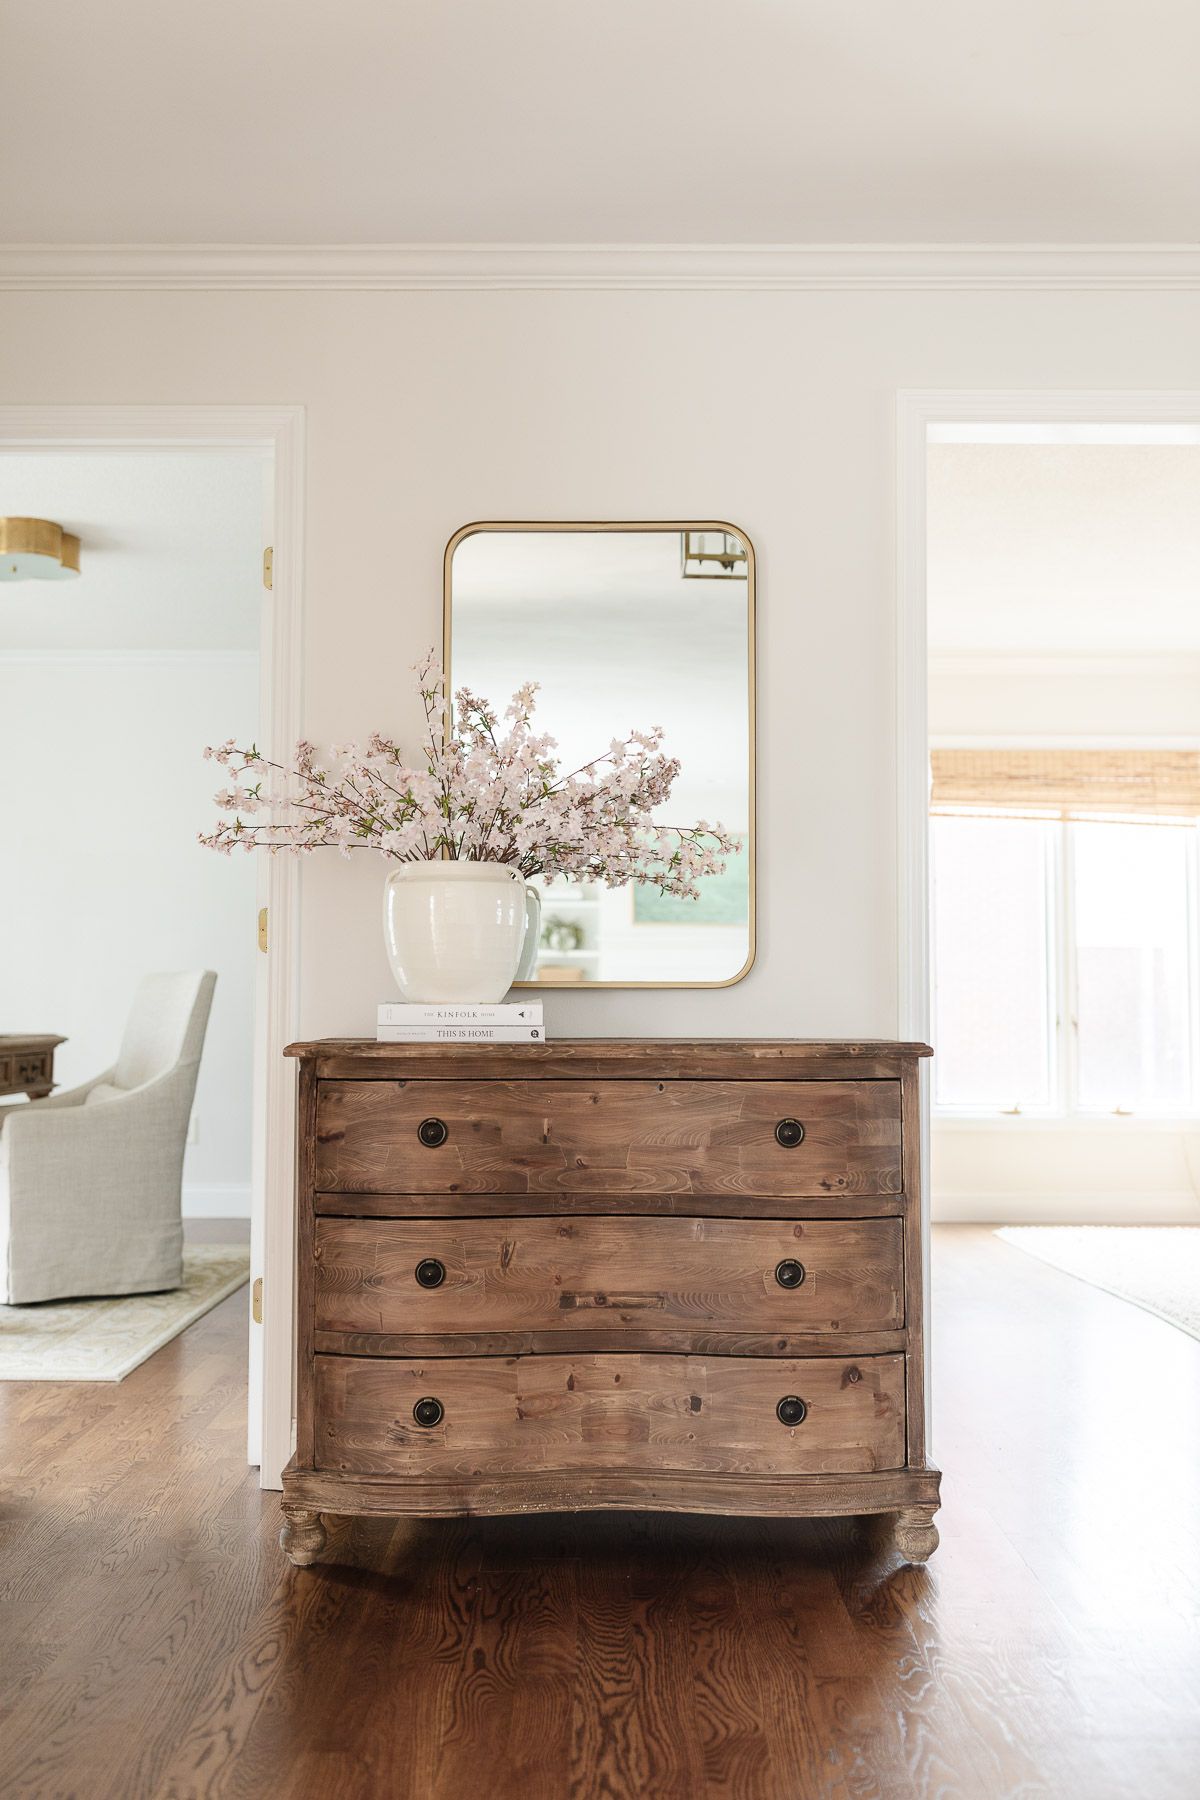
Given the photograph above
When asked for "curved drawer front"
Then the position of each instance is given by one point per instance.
(414, 1276)
(496, 1415)
(801, 1139)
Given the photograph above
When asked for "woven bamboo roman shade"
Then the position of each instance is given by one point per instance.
(1163, 782)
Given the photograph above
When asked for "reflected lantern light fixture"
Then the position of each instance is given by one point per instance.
(712, 556)
(37, 550)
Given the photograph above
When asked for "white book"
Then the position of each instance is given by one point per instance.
(460, 1034)
(403, 1012)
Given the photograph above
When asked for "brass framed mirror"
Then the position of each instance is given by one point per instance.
(625, 626)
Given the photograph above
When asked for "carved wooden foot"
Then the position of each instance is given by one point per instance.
(915, 1535)
(303, 1535)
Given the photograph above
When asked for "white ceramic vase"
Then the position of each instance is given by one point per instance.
(459, 932)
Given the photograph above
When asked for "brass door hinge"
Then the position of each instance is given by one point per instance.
(262, 929)
(269, 566)
(256, 1301)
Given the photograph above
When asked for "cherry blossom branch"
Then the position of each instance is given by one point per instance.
(477, 793)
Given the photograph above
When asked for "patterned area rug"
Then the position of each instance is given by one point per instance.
(102, 1340)
(1155, 1266)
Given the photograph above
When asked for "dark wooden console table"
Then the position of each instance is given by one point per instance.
(27, 1063)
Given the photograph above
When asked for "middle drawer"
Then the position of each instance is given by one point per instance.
(560, 1274)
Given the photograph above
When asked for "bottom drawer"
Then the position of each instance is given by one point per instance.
(496, 1415)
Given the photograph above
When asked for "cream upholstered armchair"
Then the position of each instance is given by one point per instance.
(90, 1179)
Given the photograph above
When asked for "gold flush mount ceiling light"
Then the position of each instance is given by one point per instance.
(36, 550)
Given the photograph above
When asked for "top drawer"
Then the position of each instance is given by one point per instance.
(785, 1138)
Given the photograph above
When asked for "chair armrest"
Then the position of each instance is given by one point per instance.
(75, 1165)
(27, 1126)
(89, 1147)
(53, 1102)
(67, 1113)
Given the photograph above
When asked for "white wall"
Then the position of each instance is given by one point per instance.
(1053, 698)
(426, 410)
(1062, 546)
(109, 882)
(1112, 1172)
(109, 689)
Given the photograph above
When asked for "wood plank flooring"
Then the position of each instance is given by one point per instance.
(154, 1641)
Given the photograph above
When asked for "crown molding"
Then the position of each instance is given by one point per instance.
(674, 267)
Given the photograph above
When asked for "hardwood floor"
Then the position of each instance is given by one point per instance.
(154, 1641)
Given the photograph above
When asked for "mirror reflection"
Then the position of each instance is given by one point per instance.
(623, 629)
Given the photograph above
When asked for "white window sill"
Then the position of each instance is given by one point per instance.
(957, 1121)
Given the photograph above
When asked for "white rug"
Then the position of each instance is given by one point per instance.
(102, 1340)
(1157, 1267)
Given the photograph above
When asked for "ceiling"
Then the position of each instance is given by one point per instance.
(669, 121)
(1067, 549)
(170, 550)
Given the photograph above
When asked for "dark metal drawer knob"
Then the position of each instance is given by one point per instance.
(789, 1133)
(432, 1132)
(789, 1273)
(430, 1273)
(429, 1412)
(791, 1410)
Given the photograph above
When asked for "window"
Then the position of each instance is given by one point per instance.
(993, 881)
(1133, 978)
(1065, 967)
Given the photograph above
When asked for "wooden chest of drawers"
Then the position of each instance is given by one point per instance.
(609, 1273)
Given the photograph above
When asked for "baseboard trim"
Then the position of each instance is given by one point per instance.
(368, 267)
(216, 1200)
(1180, 1207)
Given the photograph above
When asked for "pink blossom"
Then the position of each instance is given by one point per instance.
(478, 792)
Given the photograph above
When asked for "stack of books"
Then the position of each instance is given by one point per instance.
(404, 1022)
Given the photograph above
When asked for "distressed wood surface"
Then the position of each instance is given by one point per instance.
(567, 1274)
(565, 1059)
(681, 1137)
(642, 1413)
(336, 1494)
(701, 1342)
(306, 1131)
(656, 1209)
(686, 1059)
(915, 1179)
(381, 1205)
(915, 1535)
(302, 1535)
(27, 1064)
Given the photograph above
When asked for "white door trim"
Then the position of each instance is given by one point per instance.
(279, 429)
(916, 411)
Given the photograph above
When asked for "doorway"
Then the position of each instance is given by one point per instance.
(1068, 888)
(180, 639)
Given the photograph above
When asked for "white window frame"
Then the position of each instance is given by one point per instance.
(1168, 1115)
(1064, 1110)
(1055, 995)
